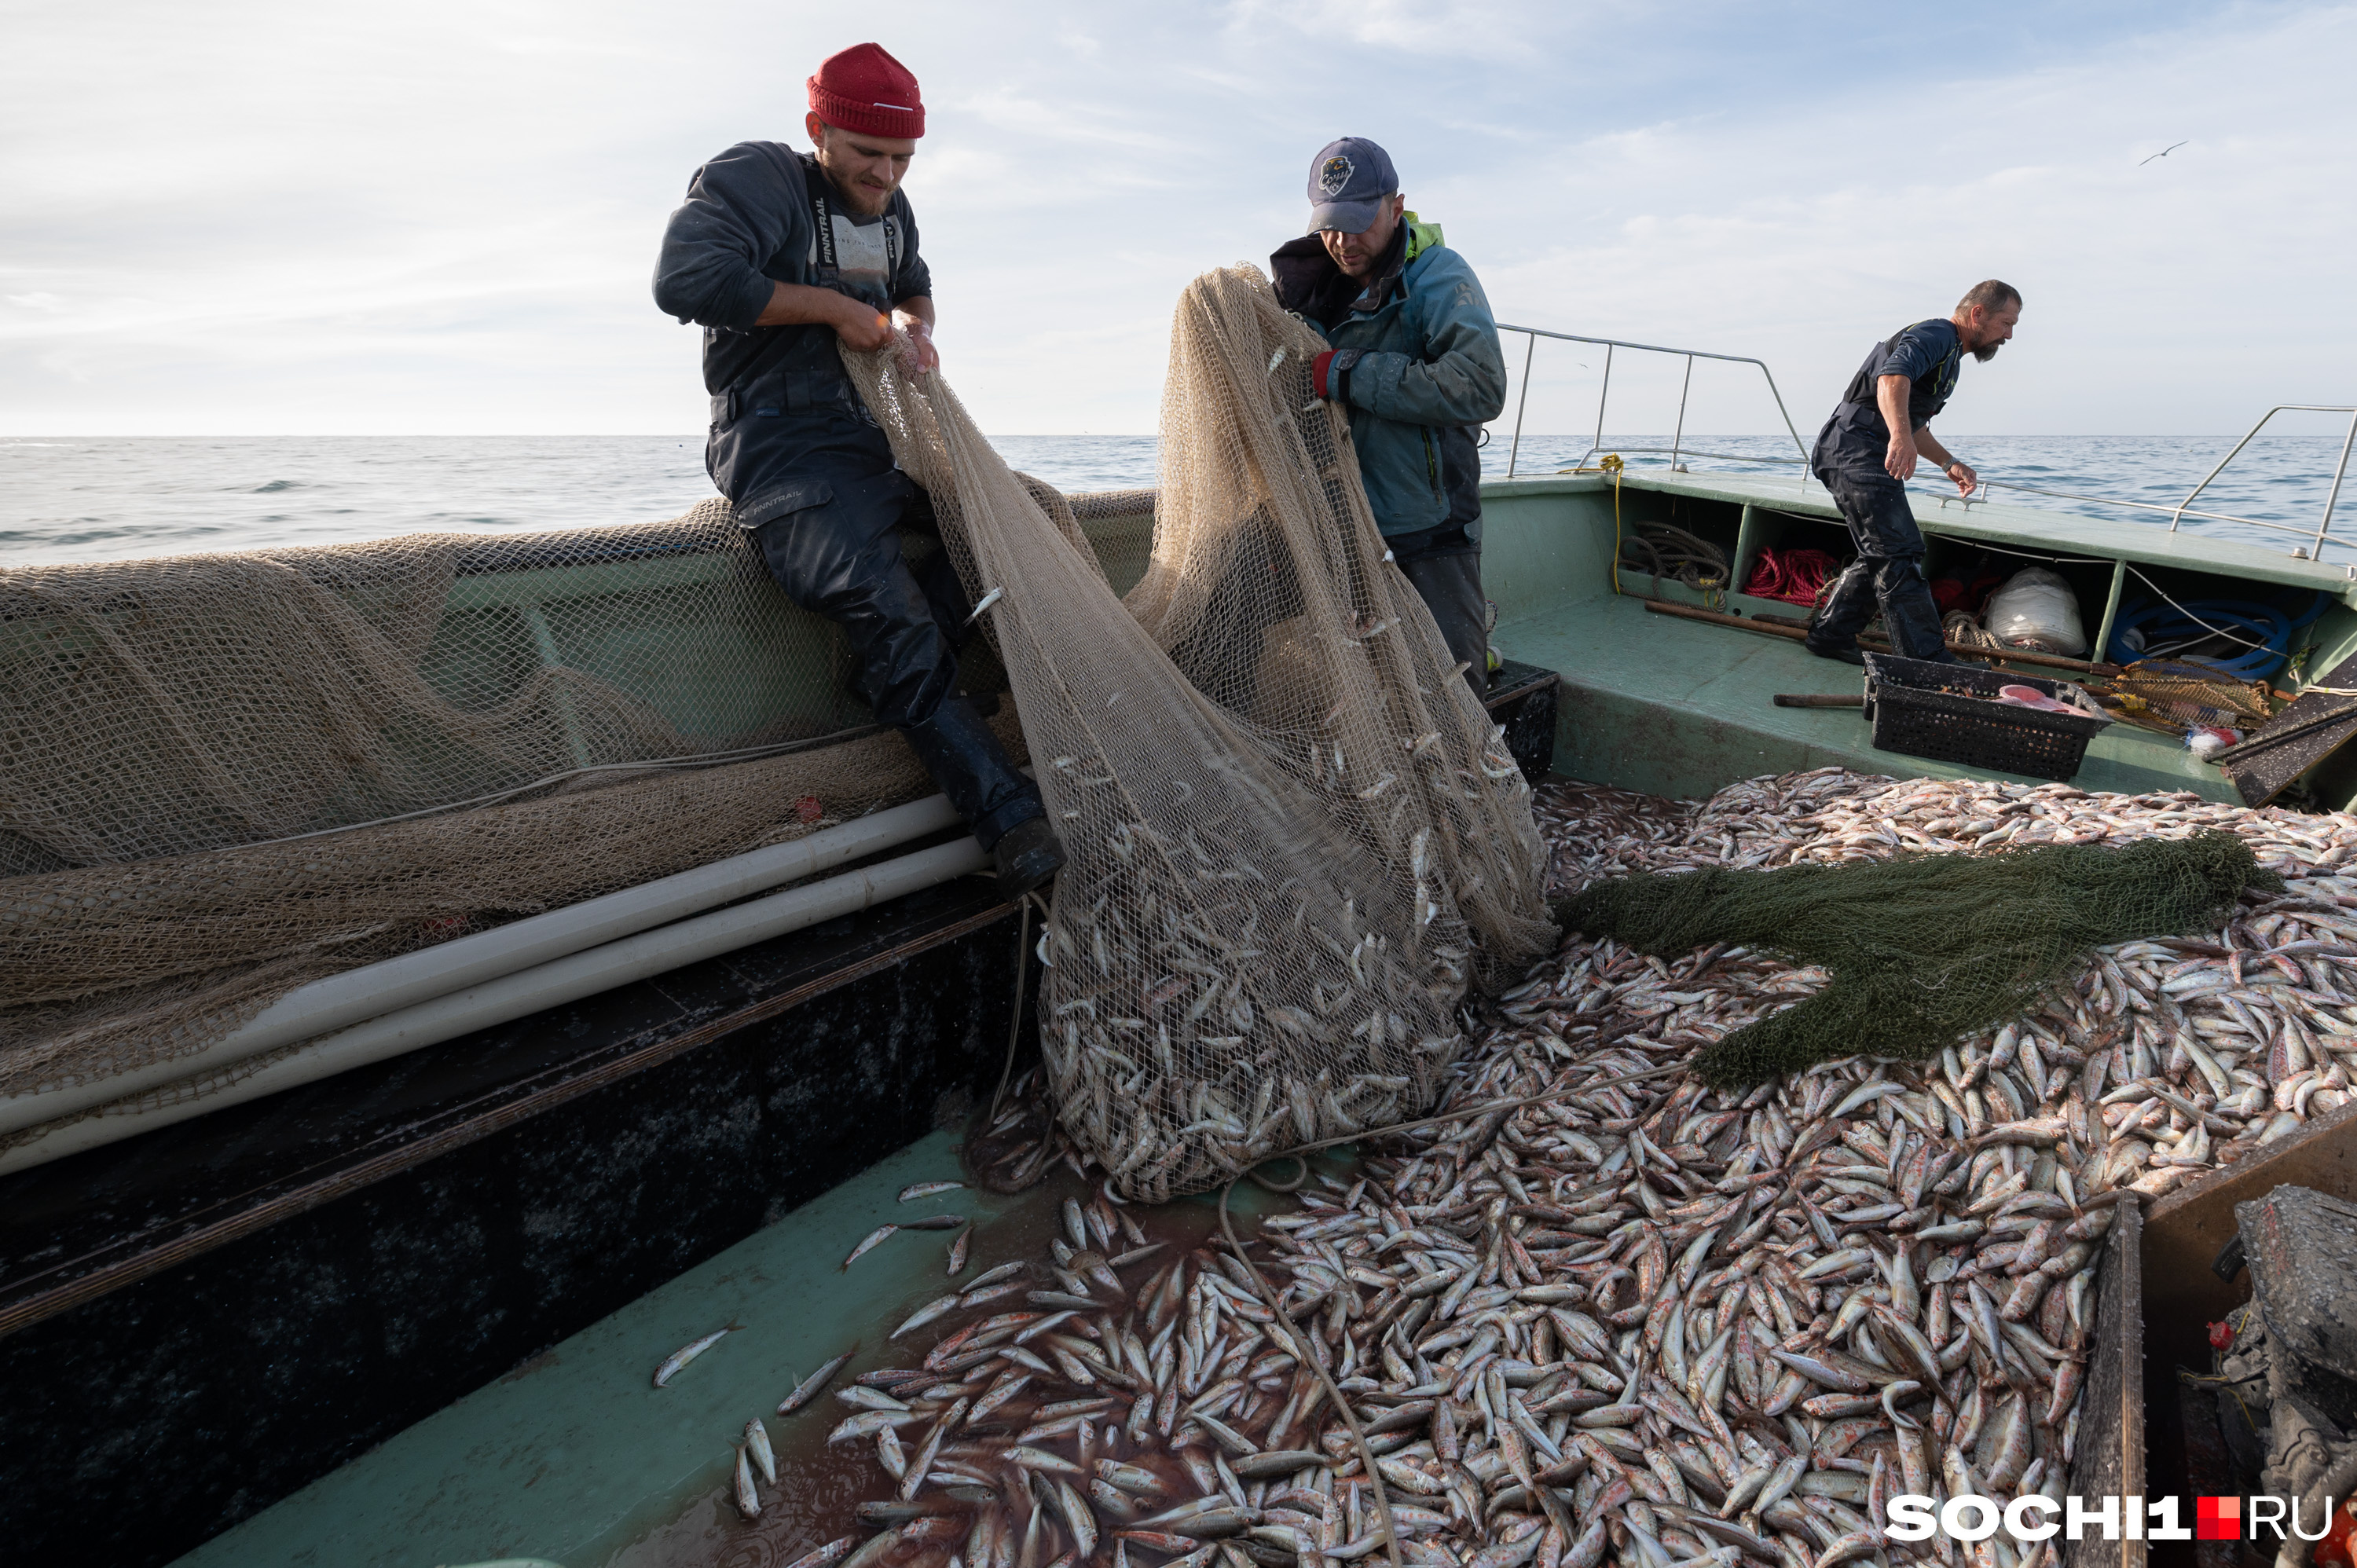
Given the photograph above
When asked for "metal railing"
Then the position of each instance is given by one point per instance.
(1678, 448)
(2318, 538)
(2324, 526)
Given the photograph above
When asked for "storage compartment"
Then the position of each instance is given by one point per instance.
(1665, 529)
(2244, 628)
(1964, 574)
(1950, 712)
(1781, 532)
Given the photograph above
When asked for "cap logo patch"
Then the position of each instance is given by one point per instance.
(1334, 174)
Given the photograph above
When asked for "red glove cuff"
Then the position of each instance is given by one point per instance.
(1317, 368)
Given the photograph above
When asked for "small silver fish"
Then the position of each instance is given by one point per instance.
(827, 1556)
(926, 1314)
(874, 1237)
(756, 1444)
(811, 1387)
(686, 1353)
(985, 1294)
(958, 1244)
(748, 1501)
(870, 1422)
(916, 1191)
(859, 1396)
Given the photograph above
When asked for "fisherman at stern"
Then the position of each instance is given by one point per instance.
(780, 256)
(1868, 450)
(1416, 361)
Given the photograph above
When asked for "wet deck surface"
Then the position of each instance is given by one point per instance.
(576, 1457)
(1681, 708)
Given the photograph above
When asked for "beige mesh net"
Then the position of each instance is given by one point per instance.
(201, 753)
(2173, 695)
(1294, 834)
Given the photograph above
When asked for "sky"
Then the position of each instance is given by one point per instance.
(259, 218)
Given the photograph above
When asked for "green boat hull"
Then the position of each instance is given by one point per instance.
(573, 1456)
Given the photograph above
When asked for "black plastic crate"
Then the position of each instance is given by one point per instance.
(1912, 713)
(1522, 701)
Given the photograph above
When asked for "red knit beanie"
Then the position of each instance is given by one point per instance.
(864, 89)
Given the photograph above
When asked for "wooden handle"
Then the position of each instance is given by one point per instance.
(1788, 627)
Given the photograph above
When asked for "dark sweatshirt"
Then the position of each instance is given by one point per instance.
(782, 410)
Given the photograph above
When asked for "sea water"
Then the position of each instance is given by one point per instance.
(116, 499)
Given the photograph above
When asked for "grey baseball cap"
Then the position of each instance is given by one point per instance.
(1347, 181)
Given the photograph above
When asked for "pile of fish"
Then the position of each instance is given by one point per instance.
(1014, 1148)
(1636, 1318)
(2188, 1051)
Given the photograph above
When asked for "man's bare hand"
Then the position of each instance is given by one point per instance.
(920, 356)
(1900, 461)
(861, 329)
(1961, 473)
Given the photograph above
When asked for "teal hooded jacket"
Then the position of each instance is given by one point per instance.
(1421, 372)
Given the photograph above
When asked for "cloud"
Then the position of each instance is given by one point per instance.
(263, 215)
(2160, 299)
(1474, 29)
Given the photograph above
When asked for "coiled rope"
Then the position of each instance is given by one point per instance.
(1796, 577)
(1667, 551)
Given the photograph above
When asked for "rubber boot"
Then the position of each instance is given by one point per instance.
(1028, 854)
(1834, 625)
(1003, 807)
(966, 760)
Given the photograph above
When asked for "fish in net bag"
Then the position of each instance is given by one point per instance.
(1294, 837)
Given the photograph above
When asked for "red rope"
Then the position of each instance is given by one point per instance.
(1796, 577)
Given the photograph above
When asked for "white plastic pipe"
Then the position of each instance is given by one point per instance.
(528, 991)
(380, 988)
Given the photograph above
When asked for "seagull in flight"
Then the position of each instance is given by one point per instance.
(2162, 154)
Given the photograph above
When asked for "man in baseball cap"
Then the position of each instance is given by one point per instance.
(1417, 362)
(781, 255)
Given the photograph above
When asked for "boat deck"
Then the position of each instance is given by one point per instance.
(339, 1296)
(575, 1457)
(1682, 708)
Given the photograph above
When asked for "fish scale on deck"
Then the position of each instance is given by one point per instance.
(1646, 1321)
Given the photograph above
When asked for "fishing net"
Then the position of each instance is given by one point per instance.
(1923, 950)
(1294, 834)
(2172, 696)
(228, 775)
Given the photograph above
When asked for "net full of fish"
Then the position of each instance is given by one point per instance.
(1294, 836)
(1647, 1323)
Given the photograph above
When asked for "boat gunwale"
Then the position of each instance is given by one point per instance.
(2140, 543)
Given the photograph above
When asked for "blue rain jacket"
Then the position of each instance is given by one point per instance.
(1421, 367)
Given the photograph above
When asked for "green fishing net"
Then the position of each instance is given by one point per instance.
(1923, 949)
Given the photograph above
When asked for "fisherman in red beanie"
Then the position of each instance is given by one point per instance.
(781, 256)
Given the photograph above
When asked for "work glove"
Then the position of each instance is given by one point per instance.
(1329, 373)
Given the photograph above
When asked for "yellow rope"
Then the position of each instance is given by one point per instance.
(1611, 464)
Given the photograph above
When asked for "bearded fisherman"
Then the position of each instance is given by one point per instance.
(1417, 363)
(781, 256)
(1867, 452)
